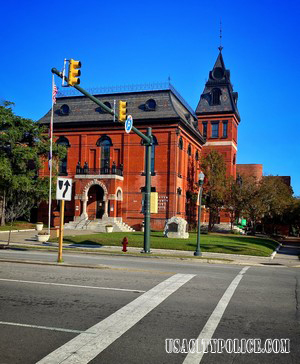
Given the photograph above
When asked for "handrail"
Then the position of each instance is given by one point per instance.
(92, 217)
(87, 221)
(79, 222)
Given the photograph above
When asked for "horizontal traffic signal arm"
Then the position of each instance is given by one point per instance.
(93, 98)
(147, 139)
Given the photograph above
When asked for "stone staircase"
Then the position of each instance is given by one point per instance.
(98, 225)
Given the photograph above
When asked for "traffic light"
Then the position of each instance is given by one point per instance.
(122, 110)
(74, 72)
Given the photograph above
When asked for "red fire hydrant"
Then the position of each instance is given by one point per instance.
(124, 243)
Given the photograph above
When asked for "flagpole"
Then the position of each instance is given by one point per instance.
(50, 158)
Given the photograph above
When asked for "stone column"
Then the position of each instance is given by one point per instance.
(84, 206)
(105, 200)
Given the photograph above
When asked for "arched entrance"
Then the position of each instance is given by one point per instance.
(95, 202)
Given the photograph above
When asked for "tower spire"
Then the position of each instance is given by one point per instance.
(220, 47)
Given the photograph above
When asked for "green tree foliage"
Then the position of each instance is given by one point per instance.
(23, 144)
(234, 198)
(214, 168)
(262, 201)
(291, 216)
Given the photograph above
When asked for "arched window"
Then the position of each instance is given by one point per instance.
(105, 143)
(180, 167)
(216, 94)
(153, 154)
(189, 150)
(63, 163)
(180, 143)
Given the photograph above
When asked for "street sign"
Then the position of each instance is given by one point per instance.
(64, 189)
(128, 124)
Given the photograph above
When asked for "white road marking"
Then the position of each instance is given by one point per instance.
(44, 327)
(215, 318)
(83, 348)
(72, 285)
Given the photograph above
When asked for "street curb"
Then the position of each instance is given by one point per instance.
(275, 251)
(90, 266)
(66, 265)
(16, 231)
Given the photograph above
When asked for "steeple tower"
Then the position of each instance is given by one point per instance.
(218, 95)
(218, 116)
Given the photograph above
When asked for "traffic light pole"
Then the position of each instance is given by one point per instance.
(147, 193)
(148, 144)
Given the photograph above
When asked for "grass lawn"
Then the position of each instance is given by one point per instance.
(18, 225)
(214, 243)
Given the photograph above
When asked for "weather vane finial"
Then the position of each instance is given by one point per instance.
(220, 48)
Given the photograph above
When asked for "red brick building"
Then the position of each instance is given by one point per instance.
(107, 165)
(250, 170)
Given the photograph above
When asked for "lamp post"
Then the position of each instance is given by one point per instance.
(201, 176)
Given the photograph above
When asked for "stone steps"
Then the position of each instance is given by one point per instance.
(98, 225)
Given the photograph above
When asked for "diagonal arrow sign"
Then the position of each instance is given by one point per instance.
(67, 185)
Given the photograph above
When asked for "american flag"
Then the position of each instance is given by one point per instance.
(49, 160)
(54, 92)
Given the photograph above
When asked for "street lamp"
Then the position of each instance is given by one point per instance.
(201, 176)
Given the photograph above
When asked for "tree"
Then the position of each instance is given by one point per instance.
(292, 216)
(23, 145)
(265, 199)
(234, 198)
(278, 198)
(214, 168)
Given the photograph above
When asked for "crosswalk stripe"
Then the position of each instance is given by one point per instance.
(42, 327)
(72, 285)
(212, 323)
(85, 347)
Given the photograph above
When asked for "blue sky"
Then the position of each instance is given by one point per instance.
(140, 42)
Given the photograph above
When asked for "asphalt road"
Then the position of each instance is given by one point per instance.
(124, 309)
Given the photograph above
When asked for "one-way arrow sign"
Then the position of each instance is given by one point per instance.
(64, 189)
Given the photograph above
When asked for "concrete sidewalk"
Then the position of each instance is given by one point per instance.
(27, 239)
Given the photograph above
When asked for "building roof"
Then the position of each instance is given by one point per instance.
(219, 82)
(145, 106)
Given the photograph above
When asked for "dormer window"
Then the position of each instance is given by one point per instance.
(215, 96)
(64, 110)
(102, 111)
(150, 105)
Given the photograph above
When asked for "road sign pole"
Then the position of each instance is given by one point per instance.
(61, 231)
(147, 193)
